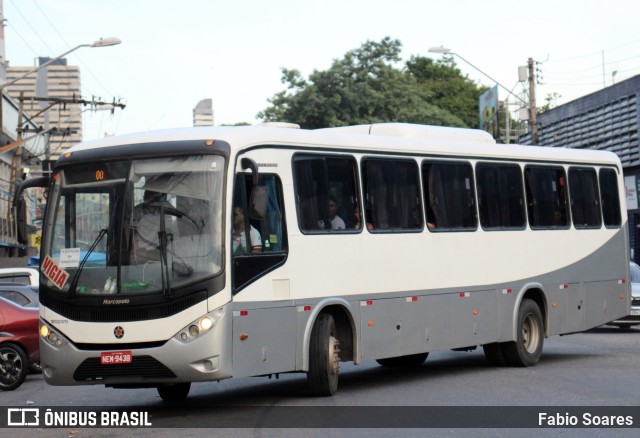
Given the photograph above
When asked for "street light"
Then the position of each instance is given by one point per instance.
(16, 160)
(446, 51)
(102, 42)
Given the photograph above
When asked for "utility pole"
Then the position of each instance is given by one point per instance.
(15, 177)
(532, 103)
(94, 104)
(14, 218)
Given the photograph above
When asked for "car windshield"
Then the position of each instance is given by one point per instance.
(128, 227)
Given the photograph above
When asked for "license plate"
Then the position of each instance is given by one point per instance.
(635, 312)
(115, 357)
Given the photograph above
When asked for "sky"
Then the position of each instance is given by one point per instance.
(174, 54)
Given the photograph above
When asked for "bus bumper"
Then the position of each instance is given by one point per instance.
(182, 358)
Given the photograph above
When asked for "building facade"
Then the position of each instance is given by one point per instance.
(57, 81)
(203, 113)
(605, 120)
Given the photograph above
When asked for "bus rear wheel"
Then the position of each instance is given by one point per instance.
(173, 392)
(527, 348)
(409, 361)
(324, 357)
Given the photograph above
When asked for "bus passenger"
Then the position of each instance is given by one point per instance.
(239, 235)
(333, 222)
(357, 219)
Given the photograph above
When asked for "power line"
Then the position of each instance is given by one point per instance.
(23, 39)
(595, 67)
(35, 32)
(598, 53)
(69, 46)
(35, 52)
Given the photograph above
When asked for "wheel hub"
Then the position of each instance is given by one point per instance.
(530, 333)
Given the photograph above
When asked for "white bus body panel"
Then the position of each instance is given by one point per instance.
(403, 293)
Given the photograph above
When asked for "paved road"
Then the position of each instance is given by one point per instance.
(597, 368)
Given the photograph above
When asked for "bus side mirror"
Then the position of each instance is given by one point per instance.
(259, 194)
(42, 181)
(20, 207)
(258, 202)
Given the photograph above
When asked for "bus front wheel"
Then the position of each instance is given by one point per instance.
(174, 391)
(527, 348)
(324, 357)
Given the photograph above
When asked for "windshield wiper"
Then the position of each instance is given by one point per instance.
(74, 282)
(164, 262)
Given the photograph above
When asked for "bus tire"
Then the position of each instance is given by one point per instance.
(14, 366)
(409, 361)
(324, 357)
(173, 392)
(527, 348)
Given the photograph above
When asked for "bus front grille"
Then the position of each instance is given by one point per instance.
(145, 367)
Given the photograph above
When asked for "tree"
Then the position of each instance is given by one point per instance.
(550, 102)
(363, 87)
(450, 90)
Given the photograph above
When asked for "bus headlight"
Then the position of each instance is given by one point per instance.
(205, 323)
(51, 336)
(199, 327)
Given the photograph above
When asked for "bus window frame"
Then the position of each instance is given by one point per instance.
(357, 191)
(421, 205)
(597, 197)
(474, 196)
(516, 165)
(614, 171)
(264, 262)
(567, 203)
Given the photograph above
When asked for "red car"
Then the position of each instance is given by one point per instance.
(18, 343)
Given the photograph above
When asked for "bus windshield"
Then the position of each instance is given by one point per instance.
(134, 227)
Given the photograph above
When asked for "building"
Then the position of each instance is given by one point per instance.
(203, 113)
(15, 156)
(57, 81)
(608, 119)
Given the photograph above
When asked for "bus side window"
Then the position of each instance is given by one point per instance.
(253, 235)
(546, 197)
(259, 245)
(610, 198)
(500, 196)
(326, 192)
(392, 194)
(583, 192)
(449, 196)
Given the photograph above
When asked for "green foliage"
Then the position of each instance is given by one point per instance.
(236, 124)
(550, 102)
(450, 90)
(366, 87)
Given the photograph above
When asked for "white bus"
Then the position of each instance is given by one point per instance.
(203, 254)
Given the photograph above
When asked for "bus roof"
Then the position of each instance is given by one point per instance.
(383, 137)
